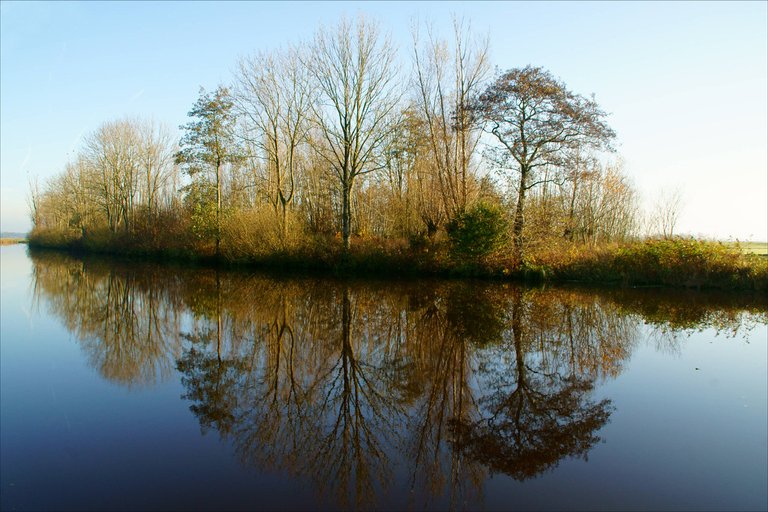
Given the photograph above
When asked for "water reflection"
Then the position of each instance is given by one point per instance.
(538, 409)
(363, 388)
(125, 320)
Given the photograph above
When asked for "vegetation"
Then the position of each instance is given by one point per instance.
(683, 262)
(539, 124)
(326, 155)
(11, 241)
(477, 233)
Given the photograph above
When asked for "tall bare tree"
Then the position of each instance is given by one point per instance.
(34, 200)
(666, 212)
(448, 78)
(156, 162)
(111, 158)
(272, 94)
(353, 70)
(538, 123)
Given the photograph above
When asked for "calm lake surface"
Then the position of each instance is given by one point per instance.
(137, 386)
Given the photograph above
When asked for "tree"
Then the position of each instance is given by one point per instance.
(537, 122)
(155, 157)
(34, 198)
(666, 211)
(354, 74)
(209, 143)
(273, 96)
(599, 202)
(446, 83)
(111, 161)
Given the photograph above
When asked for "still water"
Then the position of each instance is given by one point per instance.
(137, 386)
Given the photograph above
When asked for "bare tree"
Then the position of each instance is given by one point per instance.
(111, 159)
(538, 123)
(447, 80)
(156, 161)
(599, 201)
(353, 71)
(272, 95)
(666, 212)
(34, 198)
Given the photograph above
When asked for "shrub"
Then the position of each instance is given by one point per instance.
(683, 262)
(255, 234)
(54, 237)
(477, 232)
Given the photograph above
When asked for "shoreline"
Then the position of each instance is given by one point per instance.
(656, 264)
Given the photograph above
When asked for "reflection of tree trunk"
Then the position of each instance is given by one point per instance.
(458, 412)
(569, 316)
(218, 316)
(347, 355)
(520, 394)
(517, 331)
(280, 326)
(346, 321)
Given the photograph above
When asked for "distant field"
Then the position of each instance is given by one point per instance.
(754, 247)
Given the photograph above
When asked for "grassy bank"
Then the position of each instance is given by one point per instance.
(678, 262)
(11, 241)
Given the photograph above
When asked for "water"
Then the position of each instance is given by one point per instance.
(137, 386)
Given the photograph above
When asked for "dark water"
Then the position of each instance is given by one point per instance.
(146, 387)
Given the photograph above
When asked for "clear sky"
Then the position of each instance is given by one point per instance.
(686, 83)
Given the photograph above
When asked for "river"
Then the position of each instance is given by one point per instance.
(128, 386)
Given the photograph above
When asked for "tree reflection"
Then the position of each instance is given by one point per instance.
(358, 414)
(366, 389)
(534, 415)
(124, 319)
(211, 385)
(314, 389)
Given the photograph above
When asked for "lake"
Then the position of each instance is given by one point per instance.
(128, 386)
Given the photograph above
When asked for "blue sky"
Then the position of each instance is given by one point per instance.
(686, 83)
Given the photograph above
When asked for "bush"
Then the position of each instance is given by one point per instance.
(255, 234)
(54, 237)
(478, 232)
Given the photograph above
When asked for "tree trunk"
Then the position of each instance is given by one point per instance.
(517, 335)
(517, 227)
(218, 209)
(571, 226)
(346, 214)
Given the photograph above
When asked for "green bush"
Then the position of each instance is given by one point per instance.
(477, 232)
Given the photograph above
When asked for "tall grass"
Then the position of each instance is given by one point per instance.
(254, 239)
(680, 262)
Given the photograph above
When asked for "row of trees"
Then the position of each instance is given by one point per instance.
(331, 137)
(123, 177)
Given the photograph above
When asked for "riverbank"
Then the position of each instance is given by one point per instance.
(677, 262)
(11, 241)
